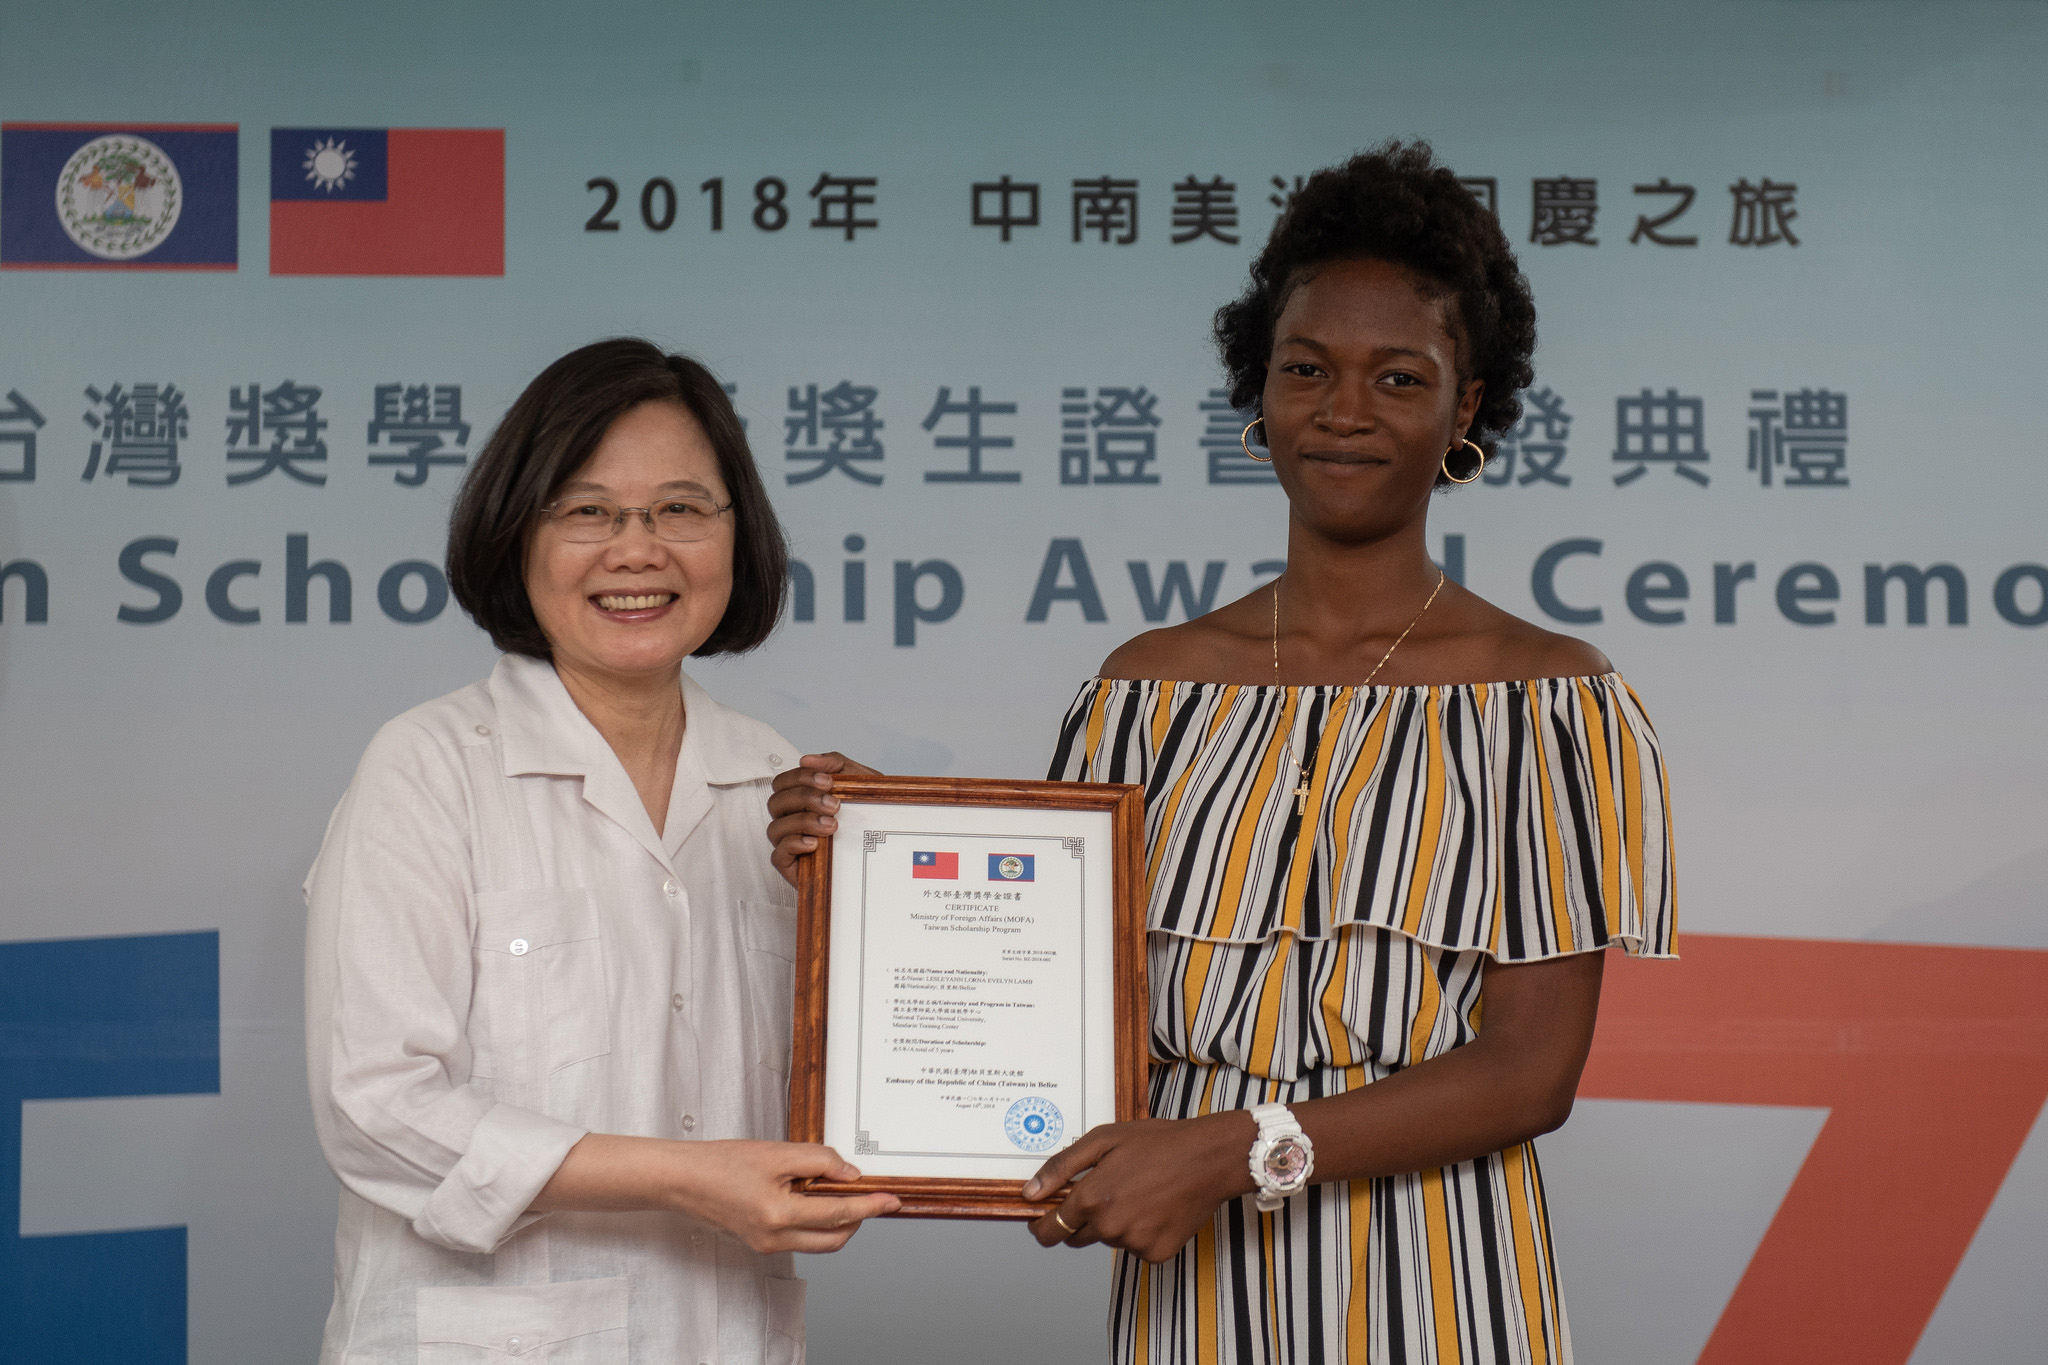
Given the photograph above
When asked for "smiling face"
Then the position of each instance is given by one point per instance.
(633, 607)
(1362, 399)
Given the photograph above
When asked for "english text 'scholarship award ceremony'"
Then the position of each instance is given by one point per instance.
(1023, 684)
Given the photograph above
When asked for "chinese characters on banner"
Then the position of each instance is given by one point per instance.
(1108, 435)
(136, 432)
(1103, 210)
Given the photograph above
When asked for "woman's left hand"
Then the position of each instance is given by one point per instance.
(1146, 1187)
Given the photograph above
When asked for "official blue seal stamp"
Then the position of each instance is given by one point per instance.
(1034, 1124)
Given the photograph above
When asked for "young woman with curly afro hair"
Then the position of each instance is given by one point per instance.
(1390, 829)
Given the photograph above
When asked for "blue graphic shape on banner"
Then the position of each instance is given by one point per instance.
(90, 1019)
(144, 196)
(329, 165)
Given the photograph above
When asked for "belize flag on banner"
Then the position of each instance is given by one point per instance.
(943, 867)
(387, 201)
(118, 196)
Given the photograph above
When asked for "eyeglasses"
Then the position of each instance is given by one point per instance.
(589, 520)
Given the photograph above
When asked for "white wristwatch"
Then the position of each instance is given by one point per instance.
(1282, 1156)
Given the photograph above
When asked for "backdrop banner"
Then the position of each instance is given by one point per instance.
(270, 277)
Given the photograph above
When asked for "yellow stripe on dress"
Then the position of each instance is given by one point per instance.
(1169, 819)
(1666, 891)
(1443, 1292)
(1194, 984)
(1358, 1308)
(1246, 835)
(1429, 840)
(1336, 1004)
(1206, 1325)
(1097, 715)
(1426, 1012)
(1632, 809)
(1522, 1218)
(1555, 886)
(1318, 774)
(1162, 714)
(1599, 758)
(1365, 772)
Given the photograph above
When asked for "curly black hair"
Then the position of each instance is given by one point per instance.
(1395, 203)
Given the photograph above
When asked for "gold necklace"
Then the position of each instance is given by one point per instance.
(1300, 792)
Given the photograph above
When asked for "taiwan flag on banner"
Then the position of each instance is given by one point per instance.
(387, 201)
(943, 867)
(118, 196)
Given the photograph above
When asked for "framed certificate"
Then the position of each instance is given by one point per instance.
(970, 984)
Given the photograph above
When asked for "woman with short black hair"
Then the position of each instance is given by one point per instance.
(1389, 827)
(548, 963)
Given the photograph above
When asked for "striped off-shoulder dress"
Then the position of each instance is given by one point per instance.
(1296, 953)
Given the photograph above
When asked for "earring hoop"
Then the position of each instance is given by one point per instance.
(1244, 439)
(1477, 469)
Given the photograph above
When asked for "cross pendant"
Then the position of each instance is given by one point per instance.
(1301, 796)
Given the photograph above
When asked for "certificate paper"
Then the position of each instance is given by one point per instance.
(965, 935)
(973, 1023)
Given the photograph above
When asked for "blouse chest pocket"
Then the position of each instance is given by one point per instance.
(541, 1001)
(768, 940)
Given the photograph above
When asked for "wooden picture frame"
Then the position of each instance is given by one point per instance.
(942, 1196)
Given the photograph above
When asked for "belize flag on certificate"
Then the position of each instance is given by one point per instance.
(943, 867)
(118, 196)
(1012, 867)
(387, 201)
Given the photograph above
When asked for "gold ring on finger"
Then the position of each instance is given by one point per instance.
(1063, 1223)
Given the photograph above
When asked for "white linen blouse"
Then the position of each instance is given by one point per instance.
(502, 955)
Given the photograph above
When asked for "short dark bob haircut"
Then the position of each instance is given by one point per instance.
(1395, 203)
(548, 435)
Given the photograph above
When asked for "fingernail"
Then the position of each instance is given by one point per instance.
(1031, 1189)
(831, 803)
(809, 842)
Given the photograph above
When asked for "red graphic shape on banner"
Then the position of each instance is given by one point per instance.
(443, 213)
(1933, 1064)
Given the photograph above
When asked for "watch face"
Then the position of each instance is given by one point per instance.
(1286, 1161)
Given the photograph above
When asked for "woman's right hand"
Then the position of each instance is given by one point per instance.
(801, 807)
(747, 1187)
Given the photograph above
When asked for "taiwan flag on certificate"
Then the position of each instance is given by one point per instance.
(943, 867)
(387, 201)
(1012, 867)
(118, 196)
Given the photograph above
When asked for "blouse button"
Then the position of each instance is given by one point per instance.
(519, 947)
(671, 890)
(689, 1123)
(513, 1344)
(775, 760)
(675, 1003)
(485, 730)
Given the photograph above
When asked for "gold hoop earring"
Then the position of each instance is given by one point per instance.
(1477, 469)
(1245, 441)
